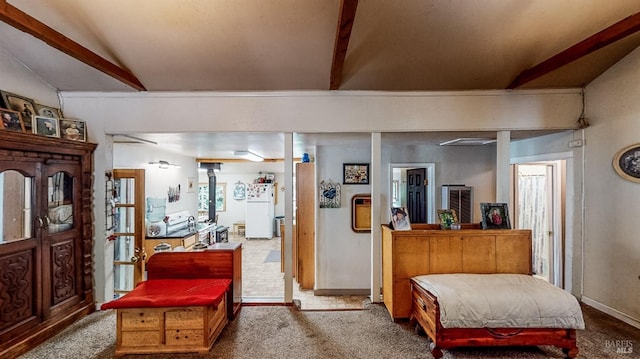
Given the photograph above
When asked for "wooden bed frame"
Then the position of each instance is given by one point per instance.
(426, 312)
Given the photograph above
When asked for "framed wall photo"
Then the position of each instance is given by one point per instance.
(46, 126)
(626, 163)
(24, 105)
(495, 216)
(74, 130)
(47, 111)
(11, 120)
(239, 191)
(355, 173)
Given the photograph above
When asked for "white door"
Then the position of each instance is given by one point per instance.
(539, 207)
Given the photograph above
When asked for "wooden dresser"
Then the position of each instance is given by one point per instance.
(406, 254)
(46, 248)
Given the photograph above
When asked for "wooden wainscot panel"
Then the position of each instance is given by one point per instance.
(445, 254)
(478, 253)
(513, 252)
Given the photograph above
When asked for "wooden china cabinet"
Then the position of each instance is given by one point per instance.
(46, 263)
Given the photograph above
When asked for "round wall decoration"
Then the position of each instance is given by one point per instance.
(627, 163)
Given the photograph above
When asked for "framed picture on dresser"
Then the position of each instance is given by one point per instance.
(11, 120)
(24, 105)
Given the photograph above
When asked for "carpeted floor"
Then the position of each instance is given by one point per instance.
(285, 332)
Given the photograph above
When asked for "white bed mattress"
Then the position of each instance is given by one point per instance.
(501, 301)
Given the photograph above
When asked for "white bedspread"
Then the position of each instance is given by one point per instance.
(501, 301)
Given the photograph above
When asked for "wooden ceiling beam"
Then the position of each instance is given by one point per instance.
(613, 33)
(343, 34)
(26, 23)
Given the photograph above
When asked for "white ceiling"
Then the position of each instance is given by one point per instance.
(280, 45)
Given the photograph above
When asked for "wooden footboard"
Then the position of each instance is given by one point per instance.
(426, 312)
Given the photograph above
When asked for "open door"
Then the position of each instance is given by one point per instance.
(129, 229)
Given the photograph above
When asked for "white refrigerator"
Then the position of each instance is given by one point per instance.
(259, 211)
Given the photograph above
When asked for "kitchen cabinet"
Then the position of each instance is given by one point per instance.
(46, 248)
(406, 254)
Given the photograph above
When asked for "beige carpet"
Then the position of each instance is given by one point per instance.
(285, 332)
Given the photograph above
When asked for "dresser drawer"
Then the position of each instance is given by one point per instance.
(140, 319)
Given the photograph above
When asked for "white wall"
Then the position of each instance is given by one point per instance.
(18, 79)
(612, 204)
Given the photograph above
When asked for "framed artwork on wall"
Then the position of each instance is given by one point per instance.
(626, 163)
(239, 191)
(355, 173)
(495, 216)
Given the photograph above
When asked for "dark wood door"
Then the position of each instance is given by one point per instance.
(417, 195)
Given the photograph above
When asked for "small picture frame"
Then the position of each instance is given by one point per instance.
(495, 216)
(74, 130)
(626, 163)
(47, 111)
(355, 173)
(11, 120)
(46, 126)
(400, 219)
(447, 217)
(239, 191)
(24, 105)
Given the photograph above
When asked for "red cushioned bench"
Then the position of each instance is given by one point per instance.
(172, 315)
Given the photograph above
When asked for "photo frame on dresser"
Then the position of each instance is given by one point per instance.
(24, 105)
(74, 130)
(46, 126)
(495, 216)
(11, 120)
(48, 111)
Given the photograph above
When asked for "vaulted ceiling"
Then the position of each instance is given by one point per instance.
(341, 45)
(263, 45)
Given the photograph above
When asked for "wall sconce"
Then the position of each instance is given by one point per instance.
(248, 155)
(164, 164)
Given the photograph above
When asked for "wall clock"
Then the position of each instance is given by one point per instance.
(626, 162)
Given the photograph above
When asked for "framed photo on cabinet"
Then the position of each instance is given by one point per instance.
(74, 130)
(47, 111)
(46, 126)
(24, 105)
(495, 216)
(11, 120)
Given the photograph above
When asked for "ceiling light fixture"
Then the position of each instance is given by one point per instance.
(248, 155)
(164, 164)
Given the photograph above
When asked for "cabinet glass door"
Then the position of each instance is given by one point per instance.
(59, 202)
(128, 221)
(16, 191)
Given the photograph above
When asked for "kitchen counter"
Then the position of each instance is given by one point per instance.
(182, 233)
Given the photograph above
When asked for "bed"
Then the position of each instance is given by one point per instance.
(466, 309)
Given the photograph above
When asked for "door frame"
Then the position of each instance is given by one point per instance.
(431, 188)
(564, 205)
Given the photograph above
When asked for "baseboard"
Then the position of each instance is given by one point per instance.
(341, 292)
(612, 312)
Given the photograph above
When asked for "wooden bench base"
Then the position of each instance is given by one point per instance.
(169, 329)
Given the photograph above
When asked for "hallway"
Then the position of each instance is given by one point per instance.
(262, 281)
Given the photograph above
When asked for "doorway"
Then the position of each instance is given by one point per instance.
(413, 185)
(540, 206)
